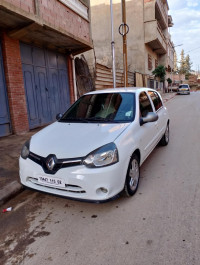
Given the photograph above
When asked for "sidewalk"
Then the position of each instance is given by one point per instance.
(10, 148)
(167, 96)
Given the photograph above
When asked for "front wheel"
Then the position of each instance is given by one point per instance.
(133, 176)
(165, 139)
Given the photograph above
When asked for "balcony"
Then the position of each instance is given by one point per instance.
(161, 13)
(155, 38)
(62, 25)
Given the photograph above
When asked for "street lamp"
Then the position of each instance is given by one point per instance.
(177, 45)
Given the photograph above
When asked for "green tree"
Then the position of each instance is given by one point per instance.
(175, 63)
(160, 72)
(188, 64)
(169, 81)
(183, 65)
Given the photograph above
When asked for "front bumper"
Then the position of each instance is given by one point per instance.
(93, 184)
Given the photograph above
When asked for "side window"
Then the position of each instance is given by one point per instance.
(156, 100)
(145, 104)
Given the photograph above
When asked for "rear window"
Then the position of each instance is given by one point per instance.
(183, 86)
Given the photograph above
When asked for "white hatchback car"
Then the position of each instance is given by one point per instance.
(183, 89)
(95, 149)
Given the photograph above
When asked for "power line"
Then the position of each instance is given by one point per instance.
(193, 50)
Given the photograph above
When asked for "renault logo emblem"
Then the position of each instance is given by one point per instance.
(50, 163)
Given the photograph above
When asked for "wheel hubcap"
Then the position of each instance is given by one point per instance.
(134, 174)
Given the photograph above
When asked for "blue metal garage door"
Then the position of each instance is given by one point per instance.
(4, 112)
(46, 84)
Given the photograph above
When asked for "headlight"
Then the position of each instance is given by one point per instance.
(103, 156)
(25, 150)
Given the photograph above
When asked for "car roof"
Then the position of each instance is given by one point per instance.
(122, 89)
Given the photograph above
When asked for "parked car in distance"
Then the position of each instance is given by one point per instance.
(95, 149)
(183, 89)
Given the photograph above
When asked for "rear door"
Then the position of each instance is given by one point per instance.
(148, 130)
(161, 111)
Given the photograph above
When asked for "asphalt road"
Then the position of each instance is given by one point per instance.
(160, 225)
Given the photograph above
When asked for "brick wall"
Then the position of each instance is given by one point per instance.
(57, 15)
(60, 16)
(15, 84)
(25, 5)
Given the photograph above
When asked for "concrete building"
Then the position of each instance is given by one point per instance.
(148, 40)
(38, 39)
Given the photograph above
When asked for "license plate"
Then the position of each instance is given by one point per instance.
(56, 182)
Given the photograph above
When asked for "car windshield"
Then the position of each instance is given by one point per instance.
(183, 86)
(104, 107)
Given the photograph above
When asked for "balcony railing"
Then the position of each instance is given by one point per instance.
(162, 11)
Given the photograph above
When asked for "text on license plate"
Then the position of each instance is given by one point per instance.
(51, 181)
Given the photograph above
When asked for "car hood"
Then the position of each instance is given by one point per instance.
(70, 140)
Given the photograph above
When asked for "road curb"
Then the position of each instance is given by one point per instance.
(9, 191)
(167, 99)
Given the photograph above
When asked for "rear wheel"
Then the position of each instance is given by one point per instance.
(165, 139)
(133, 176)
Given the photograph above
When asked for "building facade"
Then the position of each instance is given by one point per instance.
(38, 41)
(148, 40)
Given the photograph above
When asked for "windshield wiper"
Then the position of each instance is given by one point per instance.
(71, 119)
(100, 119)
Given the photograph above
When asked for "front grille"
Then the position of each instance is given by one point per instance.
(67, 188)
(59, 163)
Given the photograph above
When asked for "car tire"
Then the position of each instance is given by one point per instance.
(132, 177)
(165, 139)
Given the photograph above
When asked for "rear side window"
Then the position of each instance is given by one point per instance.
(156, 100)
(145, 104)
(183, 86)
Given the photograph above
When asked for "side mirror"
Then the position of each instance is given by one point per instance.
(58, 116)
(151, 117)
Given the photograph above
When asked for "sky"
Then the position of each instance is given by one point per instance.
(186, 29)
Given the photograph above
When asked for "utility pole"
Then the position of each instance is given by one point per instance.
(125, 30)
(112, 46)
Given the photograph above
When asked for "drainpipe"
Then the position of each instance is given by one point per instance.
(74, 77)
(112, 46)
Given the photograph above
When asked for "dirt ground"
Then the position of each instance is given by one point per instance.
(10, 148)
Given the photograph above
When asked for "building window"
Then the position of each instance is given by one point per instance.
(149, 62)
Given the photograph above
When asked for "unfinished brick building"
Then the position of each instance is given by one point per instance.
(38, 39)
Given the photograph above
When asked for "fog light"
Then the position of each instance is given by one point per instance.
(104, 190)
